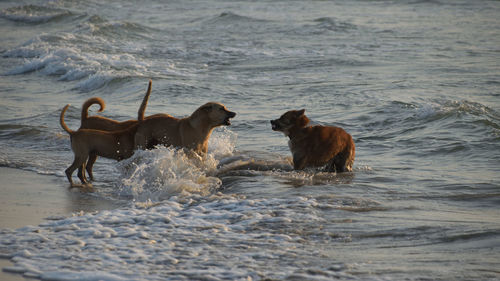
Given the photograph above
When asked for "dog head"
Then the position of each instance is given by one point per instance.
(216, 114)
(291, 119)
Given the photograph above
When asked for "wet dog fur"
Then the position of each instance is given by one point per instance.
(316, 146)
(106, 124)
(191, 132)
(86, 142)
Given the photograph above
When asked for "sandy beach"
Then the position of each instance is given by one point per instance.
(29, 198)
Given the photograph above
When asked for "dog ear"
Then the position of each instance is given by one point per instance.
(300, 112)
(302, 121)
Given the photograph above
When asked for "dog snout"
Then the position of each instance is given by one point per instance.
(274, 125)
(229, 115)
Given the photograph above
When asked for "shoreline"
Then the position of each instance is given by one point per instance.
(29, 198)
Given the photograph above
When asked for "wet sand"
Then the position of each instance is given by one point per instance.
(28, 198)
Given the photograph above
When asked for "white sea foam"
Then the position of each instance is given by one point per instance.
(221, 238)
(445, 108)
(155, 175)
(94, 80)
(71, 64)
(61, 55)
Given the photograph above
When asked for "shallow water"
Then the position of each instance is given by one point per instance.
(416, 83)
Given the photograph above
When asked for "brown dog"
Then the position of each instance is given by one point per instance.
(106, 124)
(191, 132)
(86, 142)
(316, 146)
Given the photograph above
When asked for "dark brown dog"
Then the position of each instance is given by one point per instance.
(316, 146)
(86, 142)
(191, 132)
(106, 124)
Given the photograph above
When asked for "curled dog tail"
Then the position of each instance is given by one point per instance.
(61, 120)
(142, 109)
(88, 103)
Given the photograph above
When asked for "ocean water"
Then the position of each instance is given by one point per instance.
(416, 83)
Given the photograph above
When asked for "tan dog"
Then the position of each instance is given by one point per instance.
(106, 124)
(86, 142)
(316, 146)
(191, 132)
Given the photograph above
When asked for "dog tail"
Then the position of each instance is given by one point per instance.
(142, 109)
(61, 120)
(88, 103)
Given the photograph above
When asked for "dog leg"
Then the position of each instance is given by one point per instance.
(90, 164)
(330, 166)
(81, 173)
(342, 162)
(69, 172)
(350, 158)
(346, 158)
(299, 162)
(76, 164)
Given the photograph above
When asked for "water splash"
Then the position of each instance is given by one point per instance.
(165, 171)
(156, 175)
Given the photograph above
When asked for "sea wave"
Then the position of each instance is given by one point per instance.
(323, 25)
(461, 107)
(13, 131)
(35, 128)
(471, 117)
(98, 26)
(229, 17)
(455, 129)
(77, 55)
(333, 24)
(69, 63)
(418, 114)
(33, 14)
